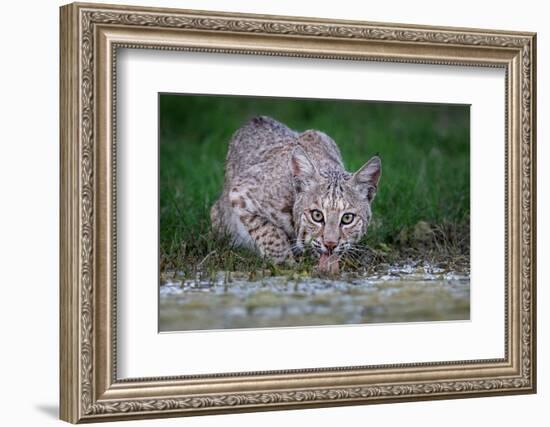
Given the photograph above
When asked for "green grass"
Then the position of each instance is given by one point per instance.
(425, 170)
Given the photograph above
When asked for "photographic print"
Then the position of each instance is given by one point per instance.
(280, 212)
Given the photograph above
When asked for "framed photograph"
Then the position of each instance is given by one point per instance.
(266, 212)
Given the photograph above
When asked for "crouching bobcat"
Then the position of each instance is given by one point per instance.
(286, 191)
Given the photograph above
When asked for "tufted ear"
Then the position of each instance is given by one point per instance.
(366, 179)
(302, 169)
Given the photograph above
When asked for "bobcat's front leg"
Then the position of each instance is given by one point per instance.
(271, 241)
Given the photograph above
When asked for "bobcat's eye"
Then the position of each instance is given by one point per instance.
(347, 218)
(317, 215)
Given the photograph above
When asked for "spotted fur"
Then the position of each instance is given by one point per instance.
(277, 181)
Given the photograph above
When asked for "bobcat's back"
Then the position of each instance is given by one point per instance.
(266, 144)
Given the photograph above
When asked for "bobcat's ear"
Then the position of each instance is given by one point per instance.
(302, 169)
(366, 179)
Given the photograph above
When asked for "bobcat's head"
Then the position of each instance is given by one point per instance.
(332, 208)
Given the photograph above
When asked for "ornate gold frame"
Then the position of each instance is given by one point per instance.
(90, 36)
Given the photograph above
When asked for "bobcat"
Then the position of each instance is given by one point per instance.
(286, 191)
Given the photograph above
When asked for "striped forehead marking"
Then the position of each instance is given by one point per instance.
(334, 190)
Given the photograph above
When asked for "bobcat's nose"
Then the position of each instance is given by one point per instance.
(330, 245)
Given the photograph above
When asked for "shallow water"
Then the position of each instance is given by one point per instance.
(400, 293)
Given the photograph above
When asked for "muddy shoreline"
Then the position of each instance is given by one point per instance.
(412, 291)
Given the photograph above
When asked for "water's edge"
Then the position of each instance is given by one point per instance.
(410, 292)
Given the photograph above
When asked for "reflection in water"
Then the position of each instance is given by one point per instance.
(236, 300)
